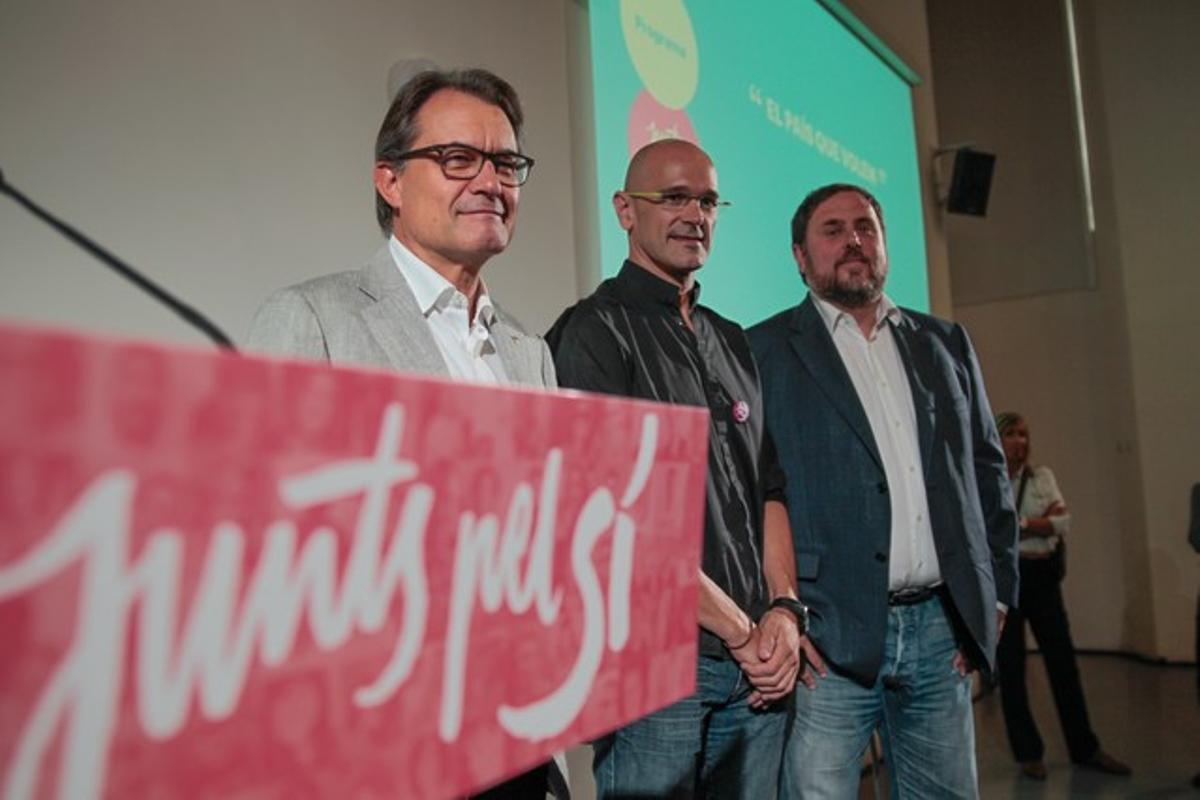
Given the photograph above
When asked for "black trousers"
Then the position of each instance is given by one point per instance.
(1041, 603)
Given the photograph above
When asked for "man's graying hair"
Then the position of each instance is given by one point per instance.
(399, 128)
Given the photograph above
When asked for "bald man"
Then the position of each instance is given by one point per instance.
(643, 334)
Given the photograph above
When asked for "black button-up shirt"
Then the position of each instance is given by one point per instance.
(629, 339)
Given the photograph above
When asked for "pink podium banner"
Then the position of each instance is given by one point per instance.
(226, 576)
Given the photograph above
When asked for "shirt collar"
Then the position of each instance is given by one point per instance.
(430, 289)
(643, 287)
(886, 311)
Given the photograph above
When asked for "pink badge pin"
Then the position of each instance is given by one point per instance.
(741, 411)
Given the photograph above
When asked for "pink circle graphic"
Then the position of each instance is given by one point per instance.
(650, 120)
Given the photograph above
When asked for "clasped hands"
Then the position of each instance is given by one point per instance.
(774, 656)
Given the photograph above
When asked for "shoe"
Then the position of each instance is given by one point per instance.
(1034, 770)
(1103, 762)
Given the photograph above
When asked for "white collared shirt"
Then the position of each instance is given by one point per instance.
(881, 383)
(1041, 492)
(466, 345)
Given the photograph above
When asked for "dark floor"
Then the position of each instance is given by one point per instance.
(1145, 715)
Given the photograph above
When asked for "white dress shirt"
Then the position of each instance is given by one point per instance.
(1041, 492)
(466, 345)
(881, 383)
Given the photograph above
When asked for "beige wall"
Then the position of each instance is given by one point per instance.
(1005, 71)
(1143, 65)
(1107, 376)
(225, 147)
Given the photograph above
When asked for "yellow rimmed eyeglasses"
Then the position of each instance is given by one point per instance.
(709, 203)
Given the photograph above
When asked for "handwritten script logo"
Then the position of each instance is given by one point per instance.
(208, 649)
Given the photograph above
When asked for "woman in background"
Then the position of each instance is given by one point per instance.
(1044, 521)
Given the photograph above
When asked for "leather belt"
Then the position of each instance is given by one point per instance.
(912, 595)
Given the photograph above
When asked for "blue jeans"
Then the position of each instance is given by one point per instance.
(711, 744)
(919, 700)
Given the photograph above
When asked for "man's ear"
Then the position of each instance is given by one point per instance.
(801, 257)
(387, 183)
(623, 205)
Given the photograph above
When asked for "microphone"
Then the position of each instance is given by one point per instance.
(189, 314)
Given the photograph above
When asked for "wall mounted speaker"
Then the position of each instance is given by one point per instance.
(971, 182)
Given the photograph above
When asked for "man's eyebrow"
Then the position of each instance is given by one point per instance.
(504, 152)
(685, 189)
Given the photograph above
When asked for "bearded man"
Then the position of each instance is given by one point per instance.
(900, 509)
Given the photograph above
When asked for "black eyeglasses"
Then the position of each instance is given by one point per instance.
(709, 203)
(462, 162)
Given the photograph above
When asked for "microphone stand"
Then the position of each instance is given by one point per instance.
(189, 314)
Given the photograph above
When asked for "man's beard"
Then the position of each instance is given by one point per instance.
(863, 294)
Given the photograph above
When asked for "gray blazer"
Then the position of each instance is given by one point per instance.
(369, 317)
(838, 493)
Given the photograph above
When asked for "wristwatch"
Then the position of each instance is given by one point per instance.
(798, 609)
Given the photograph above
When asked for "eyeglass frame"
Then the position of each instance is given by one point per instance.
(660, 198)
(434, 152)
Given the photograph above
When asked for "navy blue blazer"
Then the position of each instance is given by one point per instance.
(838, 493)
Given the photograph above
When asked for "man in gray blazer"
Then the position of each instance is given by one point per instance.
(448, 172)
(900, 510)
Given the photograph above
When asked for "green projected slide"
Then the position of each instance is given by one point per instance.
(784, 98)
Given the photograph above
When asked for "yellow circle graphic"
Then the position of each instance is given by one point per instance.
(662, 46)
